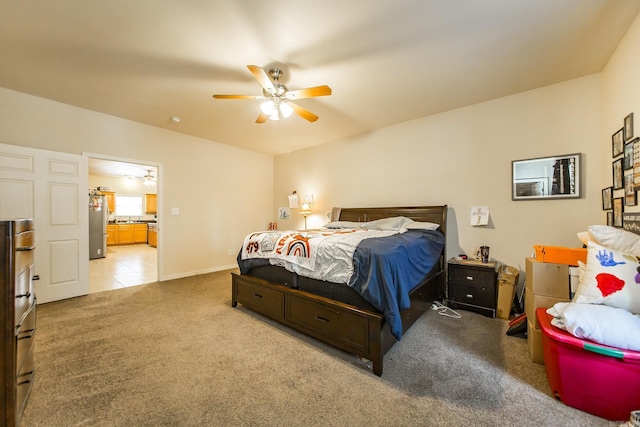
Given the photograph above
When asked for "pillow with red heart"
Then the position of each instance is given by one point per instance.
(611, 278)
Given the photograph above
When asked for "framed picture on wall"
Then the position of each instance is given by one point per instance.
(618, 210)
(631, 222)
(607, 199)
(628, 156)
(629, 190)
(628, 127)
(618, 179)
(636, 162)
(610, 218)
(617, 143)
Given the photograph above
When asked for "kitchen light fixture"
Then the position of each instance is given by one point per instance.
(149, 180)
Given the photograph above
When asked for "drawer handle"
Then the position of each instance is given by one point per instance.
(322, 319)
(257, 295)
(25, 248)
(469, 277)
(36, 277)
(28, 380)
(26, 334)
(469, 296)
(27, 295)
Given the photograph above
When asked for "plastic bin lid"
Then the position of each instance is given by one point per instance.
(565, 337)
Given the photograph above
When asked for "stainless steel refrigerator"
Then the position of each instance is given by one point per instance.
(98, 219)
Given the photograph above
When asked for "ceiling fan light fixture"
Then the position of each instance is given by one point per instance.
(285, 109)
(274, 115)
(267, 107)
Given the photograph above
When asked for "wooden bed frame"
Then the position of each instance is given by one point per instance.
(352, 329)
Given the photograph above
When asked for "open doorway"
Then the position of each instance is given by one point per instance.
(130, 191)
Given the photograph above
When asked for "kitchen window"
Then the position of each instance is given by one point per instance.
(128, 205)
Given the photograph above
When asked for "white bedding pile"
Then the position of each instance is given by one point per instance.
(615, 327)
(606, 306)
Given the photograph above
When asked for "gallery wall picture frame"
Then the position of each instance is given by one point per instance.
(610, 218)
(607, 199)
(628, 127)
(629, 190)
(636, 162)
(617, 143)
(618, 210)
(628, 156)
(618, 179)
(631, 222)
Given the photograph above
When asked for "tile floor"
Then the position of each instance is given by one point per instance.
(124, 266)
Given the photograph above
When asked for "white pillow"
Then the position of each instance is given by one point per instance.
(344, 224)
(395, 223)
(417, 225)
(615, 238)
(610, 326)
(611, 278)
(583, 236)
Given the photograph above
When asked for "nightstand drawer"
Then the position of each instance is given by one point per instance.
(475, 295)
(471, 277)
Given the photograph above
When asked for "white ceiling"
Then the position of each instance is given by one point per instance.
(114, 168)
(386, 61)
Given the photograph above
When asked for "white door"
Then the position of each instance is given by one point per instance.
(51, 188)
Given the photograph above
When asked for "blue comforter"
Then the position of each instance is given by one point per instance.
(387, 269)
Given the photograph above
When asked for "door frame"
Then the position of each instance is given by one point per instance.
(160, 189)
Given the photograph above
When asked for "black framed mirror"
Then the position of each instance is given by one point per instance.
(554, 177)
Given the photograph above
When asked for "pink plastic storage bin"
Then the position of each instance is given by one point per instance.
(594, 378)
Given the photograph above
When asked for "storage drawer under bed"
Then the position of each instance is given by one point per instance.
(262, 299)
(346, 329)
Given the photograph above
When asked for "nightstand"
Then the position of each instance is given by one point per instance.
(472, 285)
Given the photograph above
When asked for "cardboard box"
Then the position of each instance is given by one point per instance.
(574, 279)
(560, 254)
(507, 281)
(549, 279)
(534, 339)
(532, 302)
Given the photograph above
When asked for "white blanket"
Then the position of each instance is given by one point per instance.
(611, 326)
(319, 254)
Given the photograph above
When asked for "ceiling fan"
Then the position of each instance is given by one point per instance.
(278, 99)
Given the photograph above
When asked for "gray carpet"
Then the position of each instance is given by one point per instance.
(176, 353)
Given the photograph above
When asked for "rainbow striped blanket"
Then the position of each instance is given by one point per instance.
(325, 254)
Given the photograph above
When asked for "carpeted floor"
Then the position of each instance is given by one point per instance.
(176, 353)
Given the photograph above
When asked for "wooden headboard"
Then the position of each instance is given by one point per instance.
(435, 214)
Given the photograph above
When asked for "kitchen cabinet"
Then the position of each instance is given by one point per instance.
(112, 234)
(125, 234)
(153, 236)
(139, 233)
(151, 203)
(111, 200)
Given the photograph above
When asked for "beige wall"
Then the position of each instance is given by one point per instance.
(222, 192)
(463, 158)
(621, 96)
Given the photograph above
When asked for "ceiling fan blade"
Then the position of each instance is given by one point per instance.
(303, 112)
(262, 118)
(262, 77)
(309, 92)
(238, 97)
